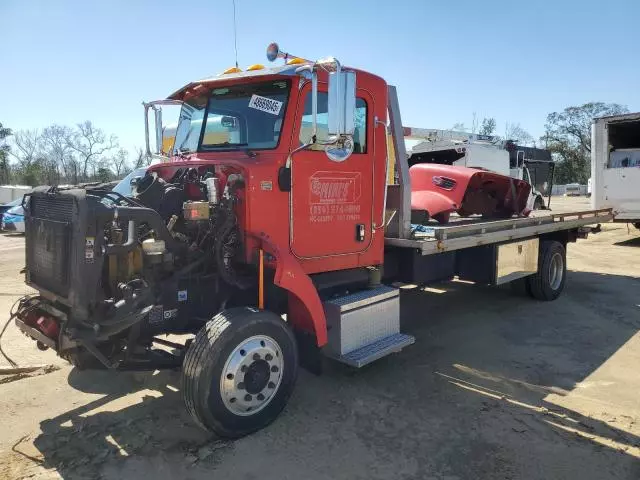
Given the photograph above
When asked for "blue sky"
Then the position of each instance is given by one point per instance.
(68, 61)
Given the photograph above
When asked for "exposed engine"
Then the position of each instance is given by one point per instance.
(115, 271)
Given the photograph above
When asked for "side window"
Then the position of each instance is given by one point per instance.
(359, 136)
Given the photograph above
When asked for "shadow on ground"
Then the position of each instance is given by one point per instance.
(632, 242)
(471, 399)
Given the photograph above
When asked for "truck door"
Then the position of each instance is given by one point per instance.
(331, 203)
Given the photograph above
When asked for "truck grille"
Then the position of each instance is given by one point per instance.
(48, 239)
(51, 207)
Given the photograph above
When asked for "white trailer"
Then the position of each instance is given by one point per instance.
(9, 193)
(615, 166)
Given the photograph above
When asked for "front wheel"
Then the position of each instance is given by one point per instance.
(239, 371)
(547, 284)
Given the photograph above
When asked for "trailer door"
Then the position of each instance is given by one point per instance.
(618, 180)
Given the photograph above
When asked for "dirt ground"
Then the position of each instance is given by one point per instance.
(497, 386)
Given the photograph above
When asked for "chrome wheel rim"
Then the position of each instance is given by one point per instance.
(251, 375)
(556, 271)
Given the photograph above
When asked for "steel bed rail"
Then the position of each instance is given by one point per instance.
(466, 234)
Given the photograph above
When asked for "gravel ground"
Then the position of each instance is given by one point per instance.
(497, 386)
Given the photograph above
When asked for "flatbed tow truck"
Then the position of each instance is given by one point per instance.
(272, 234)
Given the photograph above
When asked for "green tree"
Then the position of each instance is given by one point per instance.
(568, 137)
(488, 126)
(4, 154)
(104, 174)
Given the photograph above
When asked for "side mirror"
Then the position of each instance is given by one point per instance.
(156, 107)
(229, 122)
(342, 103)
(135, 181)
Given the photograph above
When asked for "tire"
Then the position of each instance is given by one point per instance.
(548, 283)
(256, 352)
(538, 204)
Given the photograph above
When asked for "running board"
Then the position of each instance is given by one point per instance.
(364, 326)
(376, 350)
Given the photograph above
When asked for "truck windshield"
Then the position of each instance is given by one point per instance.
(187, 132)
(245, 116)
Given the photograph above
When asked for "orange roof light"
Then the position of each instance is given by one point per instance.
(255, 66)
(295, 61)
(231, 70)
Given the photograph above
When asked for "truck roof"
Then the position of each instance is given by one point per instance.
(256, 71)
(619, 118)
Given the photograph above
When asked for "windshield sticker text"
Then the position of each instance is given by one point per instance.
(265, 104)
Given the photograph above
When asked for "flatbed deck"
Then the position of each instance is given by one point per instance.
(467, 233)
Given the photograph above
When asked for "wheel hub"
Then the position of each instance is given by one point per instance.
(556, 271)
(251, 375)
(257, 376)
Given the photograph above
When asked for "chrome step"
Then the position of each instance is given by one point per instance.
(378, 349)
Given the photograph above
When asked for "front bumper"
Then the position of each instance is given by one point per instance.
(12, 223)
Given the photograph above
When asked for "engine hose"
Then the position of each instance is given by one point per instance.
(13, 313)
(225, 250)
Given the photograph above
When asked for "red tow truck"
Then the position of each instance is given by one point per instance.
(272, 231)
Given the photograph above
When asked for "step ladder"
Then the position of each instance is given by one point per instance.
(365, 326)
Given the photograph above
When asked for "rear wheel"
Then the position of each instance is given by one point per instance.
(239, 372)
(547, 284)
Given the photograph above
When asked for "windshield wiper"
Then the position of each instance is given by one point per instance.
(226, 144)
(248, 152)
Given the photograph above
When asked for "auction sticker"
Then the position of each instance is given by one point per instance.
(265, 104)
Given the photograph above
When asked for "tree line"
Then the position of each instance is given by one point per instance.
(567, 135)
(59, 154)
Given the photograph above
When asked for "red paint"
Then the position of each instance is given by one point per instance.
(442, 189)
(329, 200)
(48, 326)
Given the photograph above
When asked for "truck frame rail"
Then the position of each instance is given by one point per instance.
(472, 233)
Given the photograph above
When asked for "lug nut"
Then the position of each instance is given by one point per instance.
(256, 356)
(268, 357)
(260, 397)
(247, 398)
(274, 369)
(271, 385)
(241, 386)
(243, 368)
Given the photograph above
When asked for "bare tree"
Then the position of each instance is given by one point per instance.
(119, 162)
(91, 143)
(27, 145)
(141, 158)
(459, 127)
(513, 131)
(57, 144)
